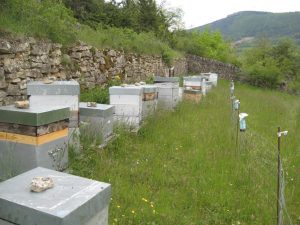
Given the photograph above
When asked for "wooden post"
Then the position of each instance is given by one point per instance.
(278, 176)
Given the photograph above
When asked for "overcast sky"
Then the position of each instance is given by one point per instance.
(199, 12)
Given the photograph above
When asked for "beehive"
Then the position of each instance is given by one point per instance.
(58, 93)
(72, 201)
(128, 102)
(97, 121)
(150, 95)
(168, 95)
(33, 137)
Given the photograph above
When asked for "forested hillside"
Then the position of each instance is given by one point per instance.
(255, 24)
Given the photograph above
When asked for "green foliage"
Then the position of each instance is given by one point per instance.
(99, 94)
(206, 44)
(45, 19)
(185, 163)
(268, 65)
(127, 40)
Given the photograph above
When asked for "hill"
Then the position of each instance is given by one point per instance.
(243, 26)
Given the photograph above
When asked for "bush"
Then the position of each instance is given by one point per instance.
(263, 76)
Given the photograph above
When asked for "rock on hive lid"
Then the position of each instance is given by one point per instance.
(101, 110)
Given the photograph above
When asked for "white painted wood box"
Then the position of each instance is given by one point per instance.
(128, 103)
(150, 96)
(168, 95)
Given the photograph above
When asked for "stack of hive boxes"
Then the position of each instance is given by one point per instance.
(128, 103)
(193, 88)
(150, 95)
(58, 93)
(33, 137)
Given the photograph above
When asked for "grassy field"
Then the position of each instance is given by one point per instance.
(183, 167)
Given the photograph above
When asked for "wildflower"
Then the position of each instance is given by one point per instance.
(118, 206)
(132, 211)
(152, 206)
(145, 200)
(116, 220)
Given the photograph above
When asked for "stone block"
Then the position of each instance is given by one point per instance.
(72, 201)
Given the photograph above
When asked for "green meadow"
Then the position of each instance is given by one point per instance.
(184, 167)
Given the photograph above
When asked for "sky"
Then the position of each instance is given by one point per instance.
(197, 13)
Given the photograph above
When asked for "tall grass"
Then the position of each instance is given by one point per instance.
(183, 167)
(52, 20)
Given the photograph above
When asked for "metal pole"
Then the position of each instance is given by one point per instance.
(278, 177)
(237, 128)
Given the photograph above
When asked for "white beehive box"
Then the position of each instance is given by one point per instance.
(150, 95)
(62, 94)
(58, 93)
(168, 95)
(128, 102)
(193, 82)
(212, 77)
(97, 121)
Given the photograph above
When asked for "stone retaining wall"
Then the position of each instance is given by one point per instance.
(27, 59)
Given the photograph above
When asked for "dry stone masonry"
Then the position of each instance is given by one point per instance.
(28, 59)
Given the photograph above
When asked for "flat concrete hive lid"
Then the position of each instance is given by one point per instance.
(55, 88)
(127, 90)
(150, 88)
(193, 78)
(34, 116)
(167, 85)
(72, 201)
(159, 79)
(101, 110)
